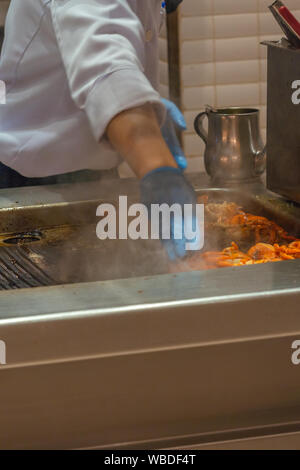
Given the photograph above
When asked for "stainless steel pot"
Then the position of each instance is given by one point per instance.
(234, 148)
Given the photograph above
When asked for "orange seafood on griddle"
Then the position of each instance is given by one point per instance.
(242, 227)
(253, 240)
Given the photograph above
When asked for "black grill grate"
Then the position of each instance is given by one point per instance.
(18, 270)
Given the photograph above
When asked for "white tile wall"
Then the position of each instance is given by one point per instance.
(222, 61)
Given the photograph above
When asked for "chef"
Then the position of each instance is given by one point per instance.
(82, 79)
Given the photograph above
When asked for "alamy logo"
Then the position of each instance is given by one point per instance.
(2, 353)
(166, 222)
(296, 353)
(2, 92)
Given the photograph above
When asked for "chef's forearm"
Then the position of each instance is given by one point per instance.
(136, 135)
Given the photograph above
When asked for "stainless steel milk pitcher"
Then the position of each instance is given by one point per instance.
(234, 148)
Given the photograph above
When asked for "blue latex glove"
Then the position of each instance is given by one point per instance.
(174, 119)
(168, 185)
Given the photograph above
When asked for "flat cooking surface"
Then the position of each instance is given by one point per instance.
(69, 253)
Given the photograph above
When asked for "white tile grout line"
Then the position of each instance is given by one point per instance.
(258, 52)
(179, 17)
(215, 104)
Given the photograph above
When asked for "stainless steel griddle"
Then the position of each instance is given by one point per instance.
(151, 361)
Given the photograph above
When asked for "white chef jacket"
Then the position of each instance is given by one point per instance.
(70, 66)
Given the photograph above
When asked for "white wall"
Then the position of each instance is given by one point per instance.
(222, 61)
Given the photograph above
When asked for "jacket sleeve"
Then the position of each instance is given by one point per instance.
(102, 47)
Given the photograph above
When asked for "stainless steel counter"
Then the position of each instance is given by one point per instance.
(153, 360)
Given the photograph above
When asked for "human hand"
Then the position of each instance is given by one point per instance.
(168, 187)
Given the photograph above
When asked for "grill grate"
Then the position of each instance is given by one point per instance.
(19, 270)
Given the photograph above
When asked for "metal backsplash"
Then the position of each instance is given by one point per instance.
(283, 153)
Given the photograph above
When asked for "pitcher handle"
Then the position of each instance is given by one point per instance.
(263, 152)
(260, 161)
(198, 126)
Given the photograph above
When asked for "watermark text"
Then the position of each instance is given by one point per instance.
(175, 222)
(2, 353)
(2, 92)
(296, 353)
